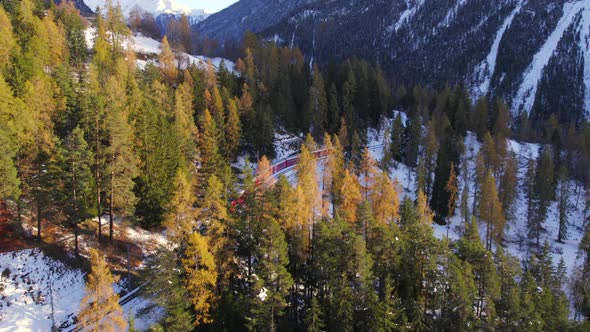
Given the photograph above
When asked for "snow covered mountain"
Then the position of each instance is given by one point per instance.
(164, 8)
(533, 53)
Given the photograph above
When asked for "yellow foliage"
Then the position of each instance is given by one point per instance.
(385, 199)
(100, 309)
(351, 197)
(201, 276)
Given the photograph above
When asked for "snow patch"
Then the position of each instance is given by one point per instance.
(25, 304)
(525, 96)
(485, 70)
(406, 15)
(452, 14)
(585, 40)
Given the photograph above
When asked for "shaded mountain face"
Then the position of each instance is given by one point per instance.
(248, 15)
(533, 53)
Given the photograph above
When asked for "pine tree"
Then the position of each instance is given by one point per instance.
(7, 40)
(180, 218)
(166, 59)
(334, 172)
(77, 180)
(424, 215)
(233, 129)
(313, 319)
(397, 133)
(308, 183)
(122, 160)
(168, 290)
(276, 279)
(99, 308)
(209, 150)
(368, 173)
(318, 104)
(472, 251)
(543, 191)
(385, 200)
(14, 118)
(215, 214)
(184, 121)
(431, 150)
(490, 211)
(413, 138)
(201, 276)
(563, 201)
(480, 118)
(263, 171)
(508, 184)
(351, 197)
(452, 189)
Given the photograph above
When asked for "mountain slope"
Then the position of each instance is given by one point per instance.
(248, 15)
(533, 53)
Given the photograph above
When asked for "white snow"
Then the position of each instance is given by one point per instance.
(25, 302)
(525, 96)
(485, 70)
(150, 6)
(412, 7)
(585, 40)
(452, 14)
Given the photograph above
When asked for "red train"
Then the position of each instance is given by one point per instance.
(276, 168)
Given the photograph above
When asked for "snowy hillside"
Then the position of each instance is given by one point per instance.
(30, 280)
(25, 303)
(150, 48)
(515, 240)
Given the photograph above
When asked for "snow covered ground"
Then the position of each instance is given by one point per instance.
(25, 301)
(515, 240)
(25, 296)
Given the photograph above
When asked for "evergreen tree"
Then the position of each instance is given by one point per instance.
(168, 290)
(480, 118)
(122, 160)
(563, 201)
(308, 184)
(77, 180)
(184, 121)
(413, 136)
(508, 183)
(233, 130)
(397, 133)
(543, 191)
(313, 319)
(99, 308)
(431, 150)
(318, 104)
(473, 252)
(276, 279)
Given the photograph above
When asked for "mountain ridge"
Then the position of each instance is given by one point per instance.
(514, 49)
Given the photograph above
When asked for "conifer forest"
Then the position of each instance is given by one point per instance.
(258, 190)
